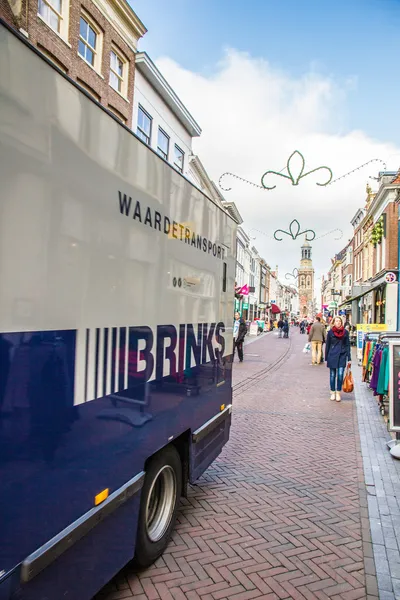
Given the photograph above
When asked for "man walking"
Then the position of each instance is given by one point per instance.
(280, 327)
(239, 332)
(317, 338)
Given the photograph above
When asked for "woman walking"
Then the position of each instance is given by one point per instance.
(337, 355)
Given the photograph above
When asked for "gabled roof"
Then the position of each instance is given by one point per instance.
(149, 70)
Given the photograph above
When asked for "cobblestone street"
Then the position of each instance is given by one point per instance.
(282, 512)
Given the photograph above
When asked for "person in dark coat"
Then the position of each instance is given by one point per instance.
(285, 328)
(337, 355)
(239, 333)
(280, 327)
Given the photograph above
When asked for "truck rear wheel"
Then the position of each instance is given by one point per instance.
(158, 505)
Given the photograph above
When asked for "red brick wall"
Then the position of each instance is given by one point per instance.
(6, 12)
(66, 54)
(391, 236)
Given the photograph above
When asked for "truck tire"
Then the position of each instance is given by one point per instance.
(158, 505)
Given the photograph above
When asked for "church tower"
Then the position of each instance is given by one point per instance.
(306, 281)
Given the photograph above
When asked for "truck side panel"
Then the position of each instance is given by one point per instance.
(113, 322)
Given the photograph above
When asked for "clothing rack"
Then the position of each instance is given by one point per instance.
(375, 366)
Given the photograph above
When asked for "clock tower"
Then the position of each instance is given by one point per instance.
(306, 281)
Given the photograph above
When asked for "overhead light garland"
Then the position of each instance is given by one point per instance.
(294, 232)
(294, 274)
(329, 232)
(296, 179)
(359, 168)
(291, 170)
(339, 231)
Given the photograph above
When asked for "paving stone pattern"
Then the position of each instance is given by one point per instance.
(279, 514)
(382, 478)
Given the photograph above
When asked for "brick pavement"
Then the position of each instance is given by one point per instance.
(279, 514)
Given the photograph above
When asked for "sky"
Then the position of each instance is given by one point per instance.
(267, 77)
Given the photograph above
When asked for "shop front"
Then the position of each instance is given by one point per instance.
(378, 304)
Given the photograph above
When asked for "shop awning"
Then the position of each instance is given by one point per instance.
(275, 309)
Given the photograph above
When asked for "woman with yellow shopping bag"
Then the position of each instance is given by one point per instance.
(337, 355)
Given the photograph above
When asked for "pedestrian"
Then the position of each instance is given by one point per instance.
(317, 338)
(337, 355)
(239, 333)
(285, 328)
(280, 327)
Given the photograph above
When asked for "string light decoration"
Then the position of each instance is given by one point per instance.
(339, 237)
(329, 232)
(300, 175)
(294, 232)
(291, 166)
(225, 189)
(359, 168)
(294, 274)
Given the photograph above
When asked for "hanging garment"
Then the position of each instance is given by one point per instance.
(376, 365)
(383, 379)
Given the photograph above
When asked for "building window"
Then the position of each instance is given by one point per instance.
(162, 143)
(51, 12)
(144, 126)
(178, 158)
(87, 47)
(118, 73)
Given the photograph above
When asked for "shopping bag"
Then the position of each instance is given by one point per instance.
(348, 383)
(307, 348)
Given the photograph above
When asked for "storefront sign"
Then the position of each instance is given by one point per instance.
(245, 305)
(390, 277)
(394, 386)
(253, 328)
(367, 328)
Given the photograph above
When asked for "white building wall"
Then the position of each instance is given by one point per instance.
(273, 288)
(162, 116)
(391, 306)
(295, 304)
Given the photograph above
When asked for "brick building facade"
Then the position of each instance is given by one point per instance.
(93, 42)
(375, 254)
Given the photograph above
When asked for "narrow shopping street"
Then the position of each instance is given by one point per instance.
(282, 512)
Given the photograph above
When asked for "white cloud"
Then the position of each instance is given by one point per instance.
(253, 117)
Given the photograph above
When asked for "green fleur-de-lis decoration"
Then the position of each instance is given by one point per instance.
(294, 273)
(295, 167)
(294, 232)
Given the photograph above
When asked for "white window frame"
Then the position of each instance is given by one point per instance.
(97, 52)
(178, 167)
(159, 150)
(140, 108)
(125, 72)
(63, 17)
